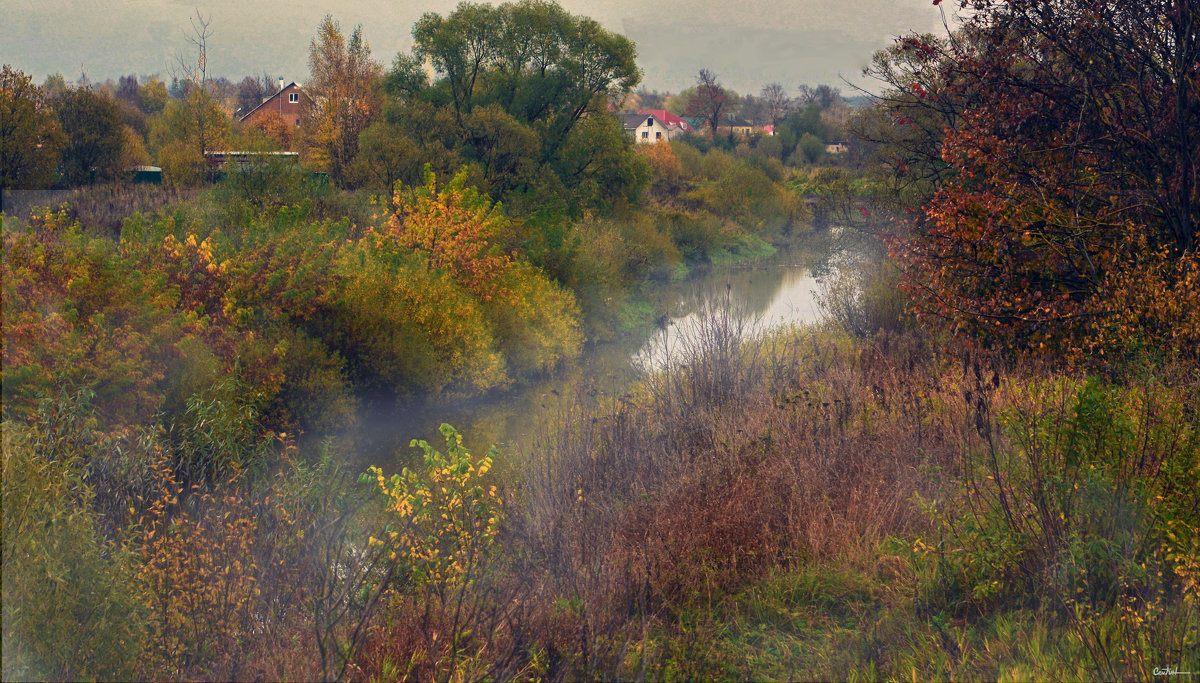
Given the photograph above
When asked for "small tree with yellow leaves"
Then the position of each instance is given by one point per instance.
(446, 522)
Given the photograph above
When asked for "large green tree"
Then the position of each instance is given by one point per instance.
(95, 136)
(517, 95)
(543, 66)
(30, 136)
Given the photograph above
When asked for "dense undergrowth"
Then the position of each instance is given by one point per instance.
(809, 505)
(848, 501)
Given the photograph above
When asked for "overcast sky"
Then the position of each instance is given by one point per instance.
(748, 43)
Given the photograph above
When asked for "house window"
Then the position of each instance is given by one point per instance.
(658, 136)
(645, 135)
(294, 97)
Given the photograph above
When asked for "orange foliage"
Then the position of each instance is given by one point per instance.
(662, 160)
(1069, 223)
(199, 577)
(457, 230)
(272, 126)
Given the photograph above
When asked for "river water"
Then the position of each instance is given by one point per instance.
(779, 290)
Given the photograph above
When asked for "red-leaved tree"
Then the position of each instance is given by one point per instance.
(1068, 219)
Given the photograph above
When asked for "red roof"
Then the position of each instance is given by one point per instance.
(667, 117)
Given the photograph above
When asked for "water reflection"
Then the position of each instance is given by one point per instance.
(762, 297)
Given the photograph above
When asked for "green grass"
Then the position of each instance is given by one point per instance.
(861, 622)
(744, 248)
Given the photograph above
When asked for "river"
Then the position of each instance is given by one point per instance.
(775, 291)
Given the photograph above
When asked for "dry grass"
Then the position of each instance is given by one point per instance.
(750, 456)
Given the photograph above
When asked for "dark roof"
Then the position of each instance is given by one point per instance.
(635, 120)
(264, 102)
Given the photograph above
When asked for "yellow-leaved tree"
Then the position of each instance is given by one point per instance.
(339, 100)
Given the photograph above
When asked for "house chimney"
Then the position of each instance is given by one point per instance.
(281, 84)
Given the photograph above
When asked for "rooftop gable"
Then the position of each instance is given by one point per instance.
(631, 121)
(667, 118)
(272, 98)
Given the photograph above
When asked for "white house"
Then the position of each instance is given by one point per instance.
(647, 128)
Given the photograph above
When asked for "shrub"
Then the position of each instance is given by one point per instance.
(445, 519)
(405, 327)
(538, 326)
(77, 315)
(1076, 507)
(862, 297)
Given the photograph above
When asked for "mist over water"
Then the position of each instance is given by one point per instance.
(762, 295)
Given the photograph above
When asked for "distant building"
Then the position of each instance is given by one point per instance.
(146, 174)
(670, 120)
(735, 125)
(647, 128)
(836, 148)
(286, 103)
(241, 160)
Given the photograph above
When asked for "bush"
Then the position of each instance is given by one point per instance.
(862, 296)
(182, 166)
(406, 328)
(1076, 507)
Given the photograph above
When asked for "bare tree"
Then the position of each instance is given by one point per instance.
(252, 91)
(824, 96)
(709, 99)
(185, 69)
(206, 118)
(776, 103)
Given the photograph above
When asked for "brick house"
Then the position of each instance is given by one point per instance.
(286, 103)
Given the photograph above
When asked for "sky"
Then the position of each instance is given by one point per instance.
(747, 43)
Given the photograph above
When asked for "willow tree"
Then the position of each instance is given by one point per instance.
(544, 66)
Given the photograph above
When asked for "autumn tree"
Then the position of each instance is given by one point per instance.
(340, 98)
(30, 135)
(1069, 219)
(153, 95)
(708, 100)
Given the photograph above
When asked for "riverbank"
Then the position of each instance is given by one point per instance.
(814, 506)
(769, 288)
(806, 504)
